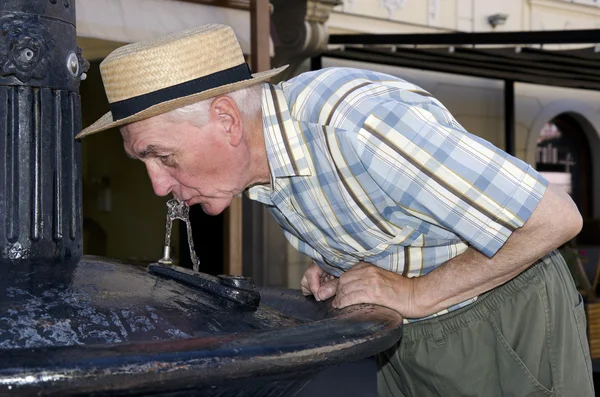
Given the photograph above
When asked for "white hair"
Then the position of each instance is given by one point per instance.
(248, 100)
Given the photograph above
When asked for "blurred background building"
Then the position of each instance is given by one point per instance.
(555, 128)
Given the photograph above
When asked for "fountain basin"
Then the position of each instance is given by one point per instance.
(106, 327)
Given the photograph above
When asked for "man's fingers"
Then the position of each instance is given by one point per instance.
(347, 288)
(327, 289)
(311, 280)
(326, 277)
(343, 300)
(358, 290)
(313, 277)
(304, 287)
(350, 287)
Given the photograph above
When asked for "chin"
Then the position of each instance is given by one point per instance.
(212, 210)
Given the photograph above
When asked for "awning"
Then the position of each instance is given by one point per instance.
(127, 21)
(516, 56)
(567, 68)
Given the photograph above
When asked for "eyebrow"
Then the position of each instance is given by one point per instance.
(150, 150)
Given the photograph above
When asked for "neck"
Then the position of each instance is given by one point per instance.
(261, 174)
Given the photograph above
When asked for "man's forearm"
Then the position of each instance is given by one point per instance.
(555, 221)
(466, 276)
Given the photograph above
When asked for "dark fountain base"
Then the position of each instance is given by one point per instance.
(102, 327)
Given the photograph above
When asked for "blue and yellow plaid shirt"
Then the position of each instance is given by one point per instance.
(368, 167)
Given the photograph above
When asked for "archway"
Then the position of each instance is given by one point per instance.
(563, 156)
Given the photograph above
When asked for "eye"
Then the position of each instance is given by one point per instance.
(168, 161)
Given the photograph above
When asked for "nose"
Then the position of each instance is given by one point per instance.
(162, 182)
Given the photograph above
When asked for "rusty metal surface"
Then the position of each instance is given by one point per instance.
(105, 327)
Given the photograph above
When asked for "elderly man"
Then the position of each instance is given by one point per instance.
(395, 202)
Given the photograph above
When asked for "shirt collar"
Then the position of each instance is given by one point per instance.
(287, 153)
(286, 148)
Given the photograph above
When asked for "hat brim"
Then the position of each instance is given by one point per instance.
(106, 122)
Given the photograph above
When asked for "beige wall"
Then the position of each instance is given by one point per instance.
(561, 14)
(134, 223)
(415, 16)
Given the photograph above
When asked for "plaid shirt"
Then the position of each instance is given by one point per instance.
(368, 167)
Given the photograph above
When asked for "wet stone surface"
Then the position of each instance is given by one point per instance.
(98, 301)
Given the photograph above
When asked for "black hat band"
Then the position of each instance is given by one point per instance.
(129, 107)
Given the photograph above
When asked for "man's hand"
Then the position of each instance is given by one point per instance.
(366, 283)
(554, 221)
(318, 283)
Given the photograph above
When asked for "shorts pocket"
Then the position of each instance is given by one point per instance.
(511, 366)
(581, 323)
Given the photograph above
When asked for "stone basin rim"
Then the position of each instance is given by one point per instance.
(354, 333)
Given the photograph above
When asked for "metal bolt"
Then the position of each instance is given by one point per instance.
(26, 54)
(73, 64)
(166, 260)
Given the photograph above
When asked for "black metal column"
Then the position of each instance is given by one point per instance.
(509, 117)
(40, 162)
(316, 62)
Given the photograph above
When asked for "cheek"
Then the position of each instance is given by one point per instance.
(199, 170)
(206, 165)
(210, 163)
(194, 174)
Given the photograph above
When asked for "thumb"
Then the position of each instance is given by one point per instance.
(304, 286)
(328, 289)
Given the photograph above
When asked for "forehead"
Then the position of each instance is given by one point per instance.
(149, 137)
(156, 132)
(153, 127)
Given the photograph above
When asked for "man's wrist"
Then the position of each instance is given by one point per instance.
(421, 297)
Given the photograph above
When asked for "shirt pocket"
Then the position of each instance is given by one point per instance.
(404, 238)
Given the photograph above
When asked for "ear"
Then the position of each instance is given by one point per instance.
(229, 117)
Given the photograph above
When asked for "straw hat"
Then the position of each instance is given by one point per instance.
(153, 77)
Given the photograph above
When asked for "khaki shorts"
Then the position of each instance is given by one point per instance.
(524, 338)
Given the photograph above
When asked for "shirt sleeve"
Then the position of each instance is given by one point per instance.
(427, 163)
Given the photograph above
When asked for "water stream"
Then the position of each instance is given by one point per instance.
(178, 210)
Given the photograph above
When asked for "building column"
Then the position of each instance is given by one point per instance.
(300, 31)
